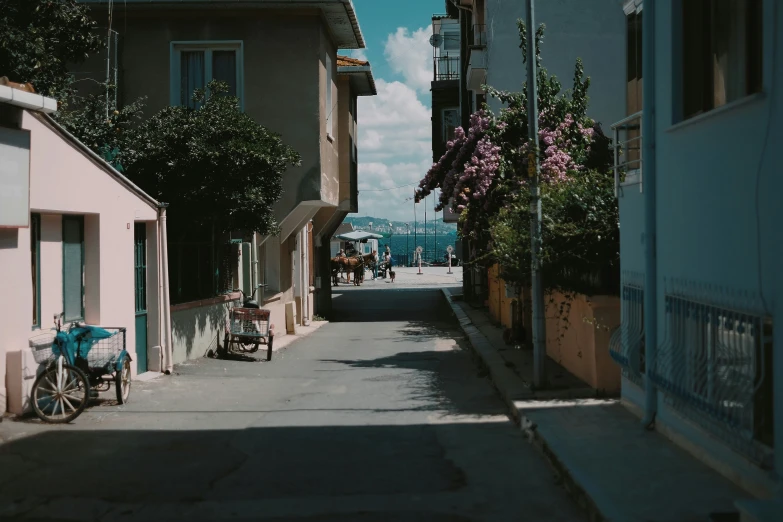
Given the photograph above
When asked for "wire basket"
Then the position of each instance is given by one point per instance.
(41, 345)
(249, 322)
(105, 352)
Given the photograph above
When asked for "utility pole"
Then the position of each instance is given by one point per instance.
(407, 238)
(534, 172)
(425, 227)
(415, 222)
(434, 199)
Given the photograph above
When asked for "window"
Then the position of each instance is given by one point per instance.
(451, 41)
(73, 267)
(329, 107)
(721, 53)
(195, 64)
(450, 123)
(354, 175)
(633, 63)
(35, 260)
(633, 78)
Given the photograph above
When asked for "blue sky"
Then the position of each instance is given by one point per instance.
(378, 19)
(394, 127)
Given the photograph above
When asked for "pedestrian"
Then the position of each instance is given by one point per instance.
(375, 261)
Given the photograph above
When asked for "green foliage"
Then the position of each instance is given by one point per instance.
(102, 125)
(40, 38)
(580, 218)
(215, 163)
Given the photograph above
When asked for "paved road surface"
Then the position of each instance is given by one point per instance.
(379, 417)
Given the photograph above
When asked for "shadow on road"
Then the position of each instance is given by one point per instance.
(312, 473)
(414, 304)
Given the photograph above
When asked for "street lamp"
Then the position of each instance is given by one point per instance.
(391, 234)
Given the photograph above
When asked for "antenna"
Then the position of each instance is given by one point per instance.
(436, 40)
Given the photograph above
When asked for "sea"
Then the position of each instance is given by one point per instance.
(433, 248)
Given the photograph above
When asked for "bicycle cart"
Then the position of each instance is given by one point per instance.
(247, 328)
(79, 363)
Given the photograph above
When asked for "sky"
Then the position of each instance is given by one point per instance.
(395, 131)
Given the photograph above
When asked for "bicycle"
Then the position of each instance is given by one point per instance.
(80, 362)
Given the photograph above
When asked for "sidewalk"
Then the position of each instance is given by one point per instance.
(612, 467)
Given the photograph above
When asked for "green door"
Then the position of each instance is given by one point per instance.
(140, 263)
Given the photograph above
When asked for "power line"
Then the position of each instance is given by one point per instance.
(391, 188)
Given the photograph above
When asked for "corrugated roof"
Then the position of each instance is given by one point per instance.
(347, 61)
(360, 73)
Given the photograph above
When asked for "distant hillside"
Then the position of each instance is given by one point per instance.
(381, 225)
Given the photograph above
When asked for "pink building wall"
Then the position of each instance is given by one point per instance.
(64, 180)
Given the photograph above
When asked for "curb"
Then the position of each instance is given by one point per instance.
(513, 391)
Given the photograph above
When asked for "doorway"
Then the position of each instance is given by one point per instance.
(140, 265)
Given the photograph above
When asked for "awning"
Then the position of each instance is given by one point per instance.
(358, 235)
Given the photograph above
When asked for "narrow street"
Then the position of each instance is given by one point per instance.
(380, 415)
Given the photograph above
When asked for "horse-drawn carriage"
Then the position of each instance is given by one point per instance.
(355, 264)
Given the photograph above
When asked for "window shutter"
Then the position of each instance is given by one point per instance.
(73, 267)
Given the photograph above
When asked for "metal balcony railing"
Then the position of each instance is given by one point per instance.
(628, 144)
(479, 35)
(446, 68)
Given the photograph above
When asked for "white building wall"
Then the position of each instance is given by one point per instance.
(593, 31)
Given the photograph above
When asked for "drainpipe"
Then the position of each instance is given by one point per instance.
(254, 264)
(650, 238)
(305, 284)
(167, 348)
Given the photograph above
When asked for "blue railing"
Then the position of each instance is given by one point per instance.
(714, 366)
(626, 345)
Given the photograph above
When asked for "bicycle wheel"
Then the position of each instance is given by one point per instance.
(249, 346)
(122, 381)
(60, 393)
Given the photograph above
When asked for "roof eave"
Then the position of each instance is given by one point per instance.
(370, 89)
(355, 42)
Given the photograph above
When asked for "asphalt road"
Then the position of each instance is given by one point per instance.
(379, 416)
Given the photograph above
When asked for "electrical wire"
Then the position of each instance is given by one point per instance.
(391, 188)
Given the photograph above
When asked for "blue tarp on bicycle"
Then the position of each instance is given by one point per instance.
(78, 339)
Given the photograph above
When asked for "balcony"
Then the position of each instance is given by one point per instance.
(446, 68)
(627, 145)
(479, 35)
(477, 68)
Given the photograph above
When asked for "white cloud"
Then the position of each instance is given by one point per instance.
(395, 149)
(395, 129)
(410, 54)
(359, 54)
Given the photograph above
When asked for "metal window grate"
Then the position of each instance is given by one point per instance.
(714, 366)
(626, 345)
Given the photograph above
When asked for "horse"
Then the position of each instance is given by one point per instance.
(355, 264)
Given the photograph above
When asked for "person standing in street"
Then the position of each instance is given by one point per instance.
(375, 261)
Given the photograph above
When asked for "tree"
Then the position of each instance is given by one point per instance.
(217, 164)
(483, 174)
(102, 125)
(40, 38)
